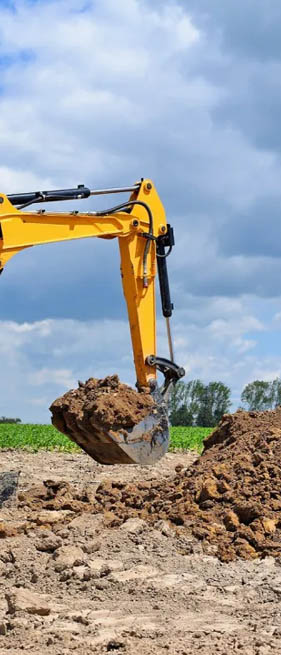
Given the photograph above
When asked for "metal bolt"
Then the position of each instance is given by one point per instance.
(1, 200)
(135, 223)
(163, 228)
(147, 187)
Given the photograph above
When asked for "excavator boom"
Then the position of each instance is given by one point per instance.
(145, 239)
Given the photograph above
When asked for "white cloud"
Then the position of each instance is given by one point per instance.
(61, 376)
(43, 359)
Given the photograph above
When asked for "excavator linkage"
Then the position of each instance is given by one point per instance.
(145, 240)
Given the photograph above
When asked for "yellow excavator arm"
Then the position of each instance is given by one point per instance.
(144, 237)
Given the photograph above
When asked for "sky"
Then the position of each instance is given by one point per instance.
(104, 93)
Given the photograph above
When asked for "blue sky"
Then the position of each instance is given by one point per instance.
(103, 93)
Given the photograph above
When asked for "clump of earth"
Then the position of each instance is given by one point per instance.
(229, 497)
(107, 402)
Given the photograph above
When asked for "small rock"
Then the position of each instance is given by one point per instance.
(50, 517)
(82, 573)
(28, 601)
(245, 550)
(48, 542)
(102, 584)
(133, 526)
(91, 547)
(99, 568)
(8, 556)
(115, 644)
(68, 556)
(269, 525)
(87, 524)
(208, 491)
(231, 521)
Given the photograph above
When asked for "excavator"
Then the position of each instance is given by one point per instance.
(145, 241)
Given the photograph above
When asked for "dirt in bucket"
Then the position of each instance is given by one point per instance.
(107, 402)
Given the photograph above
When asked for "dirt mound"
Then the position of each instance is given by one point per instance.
(229, 497)
(99, 414)
(72, 584)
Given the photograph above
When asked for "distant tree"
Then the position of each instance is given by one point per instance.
(215, 402)
(205, 415)
(182, 416)
(221, 401)
(261, 395)
(193, 403)
(184, 402)
(276, 392)
(195, 390)
(177, 398)
(4, 419)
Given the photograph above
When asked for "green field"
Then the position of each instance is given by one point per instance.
(33, 437)
(188, 438)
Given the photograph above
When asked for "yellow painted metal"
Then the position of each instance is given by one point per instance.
(23, 229)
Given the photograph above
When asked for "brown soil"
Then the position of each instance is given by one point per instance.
(182, 557)
(71, 583)
(229, 497)
(105, 402)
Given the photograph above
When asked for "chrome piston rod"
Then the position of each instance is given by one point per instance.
(125, 189)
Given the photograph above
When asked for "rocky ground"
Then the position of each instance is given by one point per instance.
(72, 580)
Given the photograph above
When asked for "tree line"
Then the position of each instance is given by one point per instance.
(195, 403)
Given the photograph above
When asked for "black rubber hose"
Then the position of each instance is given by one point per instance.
(130, 203)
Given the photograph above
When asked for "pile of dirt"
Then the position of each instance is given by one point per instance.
(229, 497)
(97, 411)
(73, 585)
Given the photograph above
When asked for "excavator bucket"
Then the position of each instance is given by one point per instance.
(101, 417)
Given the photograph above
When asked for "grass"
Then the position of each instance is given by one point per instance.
(35, 437)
